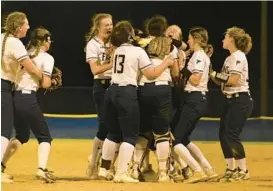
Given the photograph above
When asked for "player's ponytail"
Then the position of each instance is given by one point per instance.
(242, 40)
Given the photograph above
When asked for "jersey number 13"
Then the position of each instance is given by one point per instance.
(118, 65)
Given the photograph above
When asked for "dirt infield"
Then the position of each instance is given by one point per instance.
(69, 160)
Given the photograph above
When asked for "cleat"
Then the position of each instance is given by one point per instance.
(240, 175)
(136, 174)
(197, 177)
(228, 176)
(3, 168)
(45, 175)
(175, 175)
(211, 174)
(147, 169)
(187, 172)
(105, 174)
(163, 177)
(5, 178)
(124, 178)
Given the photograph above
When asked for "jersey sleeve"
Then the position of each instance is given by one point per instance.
(19, 50)
(235, 65)
(198, 64)
(174, 53)
(91, 51)
(48, 65)
(144, 60)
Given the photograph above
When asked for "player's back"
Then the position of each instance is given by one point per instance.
(128, 61)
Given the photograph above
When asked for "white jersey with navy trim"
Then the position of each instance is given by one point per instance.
(14, 52)
(129, 61)
(96, 50)
(199, 63)
(43, 61)
(236, 63)
(166, 75)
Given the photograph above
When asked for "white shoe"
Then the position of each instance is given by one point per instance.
(187, 172)
(5, 178)
(211, 174)
(45, 175)
(163, 177)
(135, 173)
(124, 178)
(105, 174)
(197, 177)
(239, 175)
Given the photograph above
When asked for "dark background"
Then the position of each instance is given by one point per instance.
(70, 21)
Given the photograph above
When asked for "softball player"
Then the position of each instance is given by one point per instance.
(98, 58)
(28, 114)
(238, 102)
(193, 106)
(13, 54)
(121, 98)
(175, 33)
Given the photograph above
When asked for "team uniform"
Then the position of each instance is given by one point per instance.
(238, 106)
(193, 106)
(96, 50)
(28, 114)
(155, 103)
(155, 100)
(194, 101)
(121, 101)
(15, 52)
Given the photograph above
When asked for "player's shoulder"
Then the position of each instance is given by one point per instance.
(12, 40)
(48, 56)
(93, 43)
(45, 56)
(200, 54)
(239, 55)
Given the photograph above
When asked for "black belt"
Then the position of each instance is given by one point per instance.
(104, 81)
(157, 83)
(236, 95)
(130, 85)
(201, 92)
(25, 91)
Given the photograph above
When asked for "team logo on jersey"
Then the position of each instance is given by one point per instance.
(238, 62)
(197, 61)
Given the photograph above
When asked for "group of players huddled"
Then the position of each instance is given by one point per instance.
(150, 90)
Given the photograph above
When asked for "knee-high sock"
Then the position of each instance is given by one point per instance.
(184, 153)
(141, 145)
(108, 153)
(4, 145)
(125, 155)
(43, 154)
(179, 160)
(198, 155)
(146, 160)
(96, 153)
(230, 163)
(242, 164)
(162, 151)
(12, 147)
